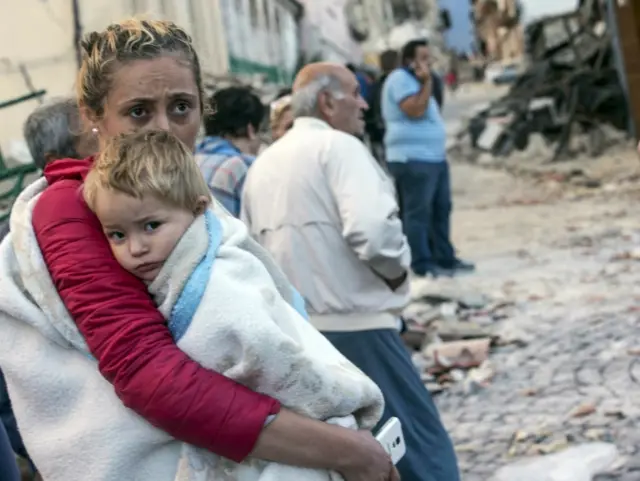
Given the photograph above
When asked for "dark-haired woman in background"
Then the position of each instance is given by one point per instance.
(231, 143)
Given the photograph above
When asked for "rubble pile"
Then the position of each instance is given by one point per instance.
(451, 333)
(569, 100)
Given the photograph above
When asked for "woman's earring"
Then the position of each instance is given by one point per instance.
(94, 130)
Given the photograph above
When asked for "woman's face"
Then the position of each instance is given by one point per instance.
(283, 125)
(153, 94)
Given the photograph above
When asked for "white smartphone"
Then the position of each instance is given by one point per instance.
(392, 439)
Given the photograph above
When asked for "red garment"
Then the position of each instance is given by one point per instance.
(129, 336)
(451, 79)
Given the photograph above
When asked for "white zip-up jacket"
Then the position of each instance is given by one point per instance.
(320, 204)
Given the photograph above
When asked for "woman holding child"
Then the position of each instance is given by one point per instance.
(135, 75)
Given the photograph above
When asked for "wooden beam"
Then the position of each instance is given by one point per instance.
(628, 20)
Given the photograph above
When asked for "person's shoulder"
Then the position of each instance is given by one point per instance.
(60, 201)
(398, 75)
(298, 141)
(63, 191)
(344, 147)
(230, 171)
(343, 138)
(209, 161)
(239, 163)
(399, 83)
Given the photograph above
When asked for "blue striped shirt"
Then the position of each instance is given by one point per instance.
(224, 168)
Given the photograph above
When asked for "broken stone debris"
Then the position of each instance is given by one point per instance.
(465, 354)
(479, 378)
(524, 443)
(568, 101)
(583, 410)
(464, 329)
(451, 331)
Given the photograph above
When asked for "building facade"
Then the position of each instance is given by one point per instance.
(255, 40)
(394, 23)
(325, 32)
(357, 31)
(499, 29)
(262, 37)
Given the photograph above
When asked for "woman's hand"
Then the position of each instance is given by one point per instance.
(370, 462)
(299, 441)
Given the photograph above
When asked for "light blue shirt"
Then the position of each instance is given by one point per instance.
(421, 139)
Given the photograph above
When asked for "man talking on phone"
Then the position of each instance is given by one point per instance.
(415, 144)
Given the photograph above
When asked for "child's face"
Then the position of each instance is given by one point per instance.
(142, 232)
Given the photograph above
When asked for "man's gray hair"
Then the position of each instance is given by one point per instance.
(304, 102)
(52, 130)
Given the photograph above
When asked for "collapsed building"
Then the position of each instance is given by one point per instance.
(570, 89)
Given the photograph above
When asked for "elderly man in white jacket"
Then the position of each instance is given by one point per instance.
(320, 204)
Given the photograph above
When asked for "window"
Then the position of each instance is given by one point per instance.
(445, 19)
(408, 11)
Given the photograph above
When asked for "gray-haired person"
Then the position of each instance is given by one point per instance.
(326, 212)
(54, 131)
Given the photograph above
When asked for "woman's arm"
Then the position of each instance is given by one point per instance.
(130, 339)
(299, 441)
(136, 353)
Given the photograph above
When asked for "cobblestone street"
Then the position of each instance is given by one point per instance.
(571, 264)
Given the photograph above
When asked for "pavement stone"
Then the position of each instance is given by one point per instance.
(583, 331)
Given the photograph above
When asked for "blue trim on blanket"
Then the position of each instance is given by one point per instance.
(193, 291)
(298, 303)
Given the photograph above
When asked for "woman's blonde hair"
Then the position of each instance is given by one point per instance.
(132, 39)
(152, 163)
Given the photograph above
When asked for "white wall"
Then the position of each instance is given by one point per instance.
(39, 34)
(325, 31)
(262, 35)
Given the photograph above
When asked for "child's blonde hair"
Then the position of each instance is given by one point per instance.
(154, 163)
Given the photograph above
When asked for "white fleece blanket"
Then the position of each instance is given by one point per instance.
(246, 326)
(242, 324)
